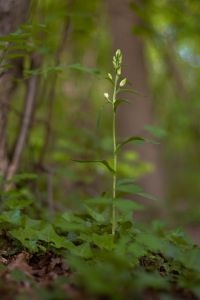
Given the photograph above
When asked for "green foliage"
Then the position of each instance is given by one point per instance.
(129, 260)
(135, 259)
(132, 258)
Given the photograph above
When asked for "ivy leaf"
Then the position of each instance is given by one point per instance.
(104, 241)
(98, 217)
(151, 280)
(131, 139)
(104, 162)
(83, 250)
(14, 203)
(149, 241)
(29, 237)
(11, 217)
(70, 222)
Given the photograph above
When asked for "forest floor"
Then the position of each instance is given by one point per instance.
(48, 277)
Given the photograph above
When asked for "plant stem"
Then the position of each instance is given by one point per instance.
(114, 156)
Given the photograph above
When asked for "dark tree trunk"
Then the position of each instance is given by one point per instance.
(12, 14)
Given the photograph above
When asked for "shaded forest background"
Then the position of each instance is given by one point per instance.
(53, 59)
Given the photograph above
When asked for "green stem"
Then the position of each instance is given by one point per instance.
(114, 157)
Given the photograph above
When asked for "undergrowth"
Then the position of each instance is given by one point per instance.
(103, 252)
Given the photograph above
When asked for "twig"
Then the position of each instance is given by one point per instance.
(32, 86)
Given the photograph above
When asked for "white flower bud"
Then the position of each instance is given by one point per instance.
(106, 95)
(110, 76)
(123, 82)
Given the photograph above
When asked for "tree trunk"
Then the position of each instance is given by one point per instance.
(12, 14)
(132, 118)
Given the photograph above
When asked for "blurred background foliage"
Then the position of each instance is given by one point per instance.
(71, 120)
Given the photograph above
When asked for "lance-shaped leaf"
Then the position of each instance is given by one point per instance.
(82, 68)
(103, 162)
(135, 190)
(147, 196)
(131, 139)
(132, 91)
(157, 131)
(130, 189)
(98, 201)
(127, 205)
(119, 102)
(125, 181)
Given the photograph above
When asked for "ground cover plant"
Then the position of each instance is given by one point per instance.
(99, 251)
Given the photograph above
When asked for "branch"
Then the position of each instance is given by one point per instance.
(32, 87)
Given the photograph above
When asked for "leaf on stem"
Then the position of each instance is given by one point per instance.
(119, 102)
(127, 205)
(131, 139)
(82, 68)
(129, 188)
(99, 201)
(129, 91)
(134, 189)
(157, 131)
(125, 181)
(104, 162)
